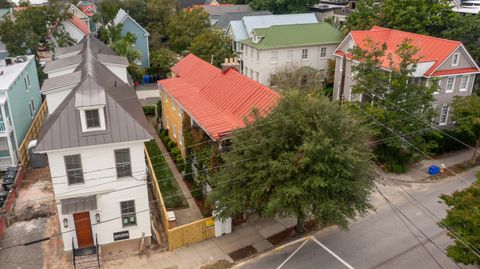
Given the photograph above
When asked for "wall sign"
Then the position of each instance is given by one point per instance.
(209, 223)
(121, 236)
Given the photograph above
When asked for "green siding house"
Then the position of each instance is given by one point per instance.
(20, 101)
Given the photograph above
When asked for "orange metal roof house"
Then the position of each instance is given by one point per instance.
(217, 100)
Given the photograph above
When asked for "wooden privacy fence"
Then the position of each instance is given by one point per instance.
(32, 134)
(185, 234)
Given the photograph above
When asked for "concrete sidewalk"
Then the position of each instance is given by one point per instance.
(253, 233)
(419, 171)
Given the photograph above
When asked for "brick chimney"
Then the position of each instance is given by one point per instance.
(230, 63)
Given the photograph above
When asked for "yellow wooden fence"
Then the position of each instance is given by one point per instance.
(32, 134)
(185, 234)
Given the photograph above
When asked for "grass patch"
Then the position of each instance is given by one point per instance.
(172, 195)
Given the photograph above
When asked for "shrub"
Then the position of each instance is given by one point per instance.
(197, 192)
(170, 145)
(149, 110)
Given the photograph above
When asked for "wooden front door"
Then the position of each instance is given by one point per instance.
(83, 228)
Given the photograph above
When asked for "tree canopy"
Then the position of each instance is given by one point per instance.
(212, 44)
(403, 105)
(463, 217)
(282, 6)
(184, 27)
(418, 16)
(466, 114)
(162, 60)
(294, 76)
(306, 159)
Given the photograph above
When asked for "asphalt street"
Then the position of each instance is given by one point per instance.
(382, 239)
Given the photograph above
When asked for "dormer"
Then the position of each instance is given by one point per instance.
(257, 36)
(90, 103)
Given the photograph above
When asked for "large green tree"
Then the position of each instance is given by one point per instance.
(431, 17)
(282, 6)
(466, 114)
(402, 104)
(5, 4)
(162, 60)
(306, 159)
(184, 27)
(463, 218)
(212, 44)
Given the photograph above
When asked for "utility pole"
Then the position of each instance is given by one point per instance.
(342, 81)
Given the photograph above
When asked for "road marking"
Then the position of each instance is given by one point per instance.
(331, 252)
(295, 252)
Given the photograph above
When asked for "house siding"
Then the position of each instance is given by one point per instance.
(464, 61)
(19, 99)
(142, 39)
(265, 68)
(171, 118)
(109, 190)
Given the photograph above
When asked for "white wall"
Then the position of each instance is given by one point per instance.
(55, 98)
(75, 34)
(100, 179)
(119, 70)
(264, 66)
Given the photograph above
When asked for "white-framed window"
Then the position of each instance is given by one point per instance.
(246, 71)
(28, 81)
(73, 167)
(251, 73)
(174, 131)
(323, 52)
(258, 55)
(168, 122)
(289, 56)
(251, 53)
(450, 84)
(274, 57)
(123, 163)
(129, 216)
(304, 54)
(257, 75)
(180, 112)
(92, 118)
(241, 46)
(444, 114)
(464, 83)
(174, 106)
(31, 106)
(166, 98)
(455, 59)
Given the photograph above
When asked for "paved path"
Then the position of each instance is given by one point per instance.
(381, 239)
(191, 213)
(418, 172)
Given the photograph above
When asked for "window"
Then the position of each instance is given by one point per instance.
(166, 98)
(304, 54)
(289, 56)
(28, 81)
(258, 55)
(444, 114)
(92, 118)
(180, 139)
(257, 75)
(251, 73)
(251, 52)
(241, 46)
(323, 52)
(73, 166)
(455, 59)
(129, 217)
(123, 163)
(180, 112)
(174, 131)
(168, 122)
(464, 83)
(31, 106)
(450, 83)
(26, 85)
(246, 71)
(274, 57)
(174, 106)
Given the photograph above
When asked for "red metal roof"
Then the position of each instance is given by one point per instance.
(455, 71)
(431, 49)
(81, 25)
(218, 101)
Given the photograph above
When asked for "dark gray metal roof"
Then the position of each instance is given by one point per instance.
(225, 19)
(54, 83)
(124, 116)
(61, 63)
(114, 59)
(66, 50)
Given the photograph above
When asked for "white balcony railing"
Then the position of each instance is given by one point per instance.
(5, 125)
(5, 162)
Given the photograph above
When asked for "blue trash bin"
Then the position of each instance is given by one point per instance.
(146, 79)
(433, 170)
